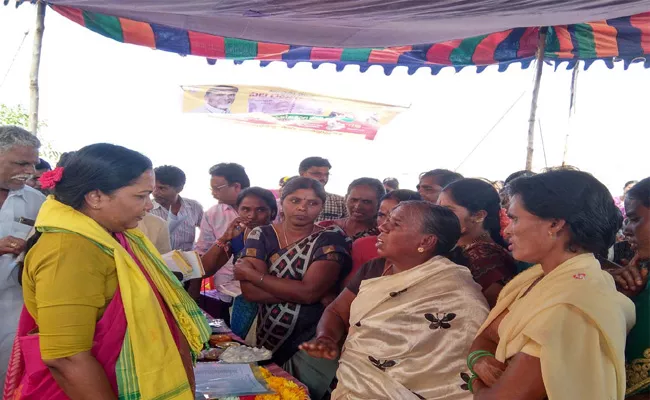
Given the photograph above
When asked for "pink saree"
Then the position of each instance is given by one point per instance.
(28, 378)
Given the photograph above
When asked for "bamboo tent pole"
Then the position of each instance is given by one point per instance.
(572, 109)
(541, 136)
(541, 47)
(34, 95)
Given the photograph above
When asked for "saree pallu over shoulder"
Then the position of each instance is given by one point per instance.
(410, 334)
(145, 369)
(574, 321)
(283, 326)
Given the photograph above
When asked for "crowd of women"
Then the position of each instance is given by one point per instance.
(415, 295)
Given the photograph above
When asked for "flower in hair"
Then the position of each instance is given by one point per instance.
(504, 221)
(49, 179)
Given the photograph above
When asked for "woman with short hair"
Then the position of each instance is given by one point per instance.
(362, 202)
(365, 249)
(404, 324)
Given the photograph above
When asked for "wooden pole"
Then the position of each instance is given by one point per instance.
(34, 95)
(541, 136)
(572, 109)
(541, 46)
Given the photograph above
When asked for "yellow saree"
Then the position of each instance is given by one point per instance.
(410, 334)
(575, 322)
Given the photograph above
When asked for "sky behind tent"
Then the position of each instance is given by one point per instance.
(94, 89)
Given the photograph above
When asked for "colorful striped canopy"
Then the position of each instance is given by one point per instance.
(357, 23)
(625, 38)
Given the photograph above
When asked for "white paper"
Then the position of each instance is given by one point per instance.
(191, 269)
(214, 380)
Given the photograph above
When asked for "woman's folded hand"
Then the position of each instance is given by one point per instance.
(244, 271)
(631, 280)
(321, 347)
(489, 370)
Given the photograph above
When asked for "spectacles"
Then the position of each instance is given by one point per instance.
(218, 188)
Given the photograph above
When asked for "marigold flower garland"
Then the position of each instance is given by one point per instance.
(284, 389)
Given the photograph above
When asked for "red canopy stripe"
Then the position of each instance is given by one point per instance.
(484, 52)
(139, 33)
(389, 55)
(642, 22)
(271, 51)
(325, 54)
(73, 14)
(440, 53)
(605, 39)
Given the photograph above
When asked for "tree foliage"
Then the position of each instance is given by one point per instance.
(18, 116)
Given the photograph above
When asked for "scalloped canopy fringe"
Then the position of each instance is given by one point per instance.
(624, 39)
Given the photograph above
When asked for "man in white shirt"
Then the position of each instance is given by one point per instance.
(218, 100)
(183, 215)
(227, 181)
(19, 206)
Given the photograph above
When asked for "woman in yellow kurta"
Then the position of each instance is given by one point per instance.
(558, 329)
(104, 317)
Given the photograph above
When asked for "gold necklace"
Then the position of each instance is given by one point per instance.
(284, 233)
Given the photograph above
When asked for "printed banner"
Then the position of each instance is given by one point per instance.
(289, 109)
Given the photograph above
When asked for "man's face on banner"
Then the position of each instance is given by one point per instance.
(219, 98)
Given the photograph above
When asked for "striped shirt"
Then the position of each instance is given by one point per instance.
(182, 227)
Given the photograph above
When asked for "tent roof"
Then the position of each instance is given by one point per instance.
(626, 38)
(357, 23)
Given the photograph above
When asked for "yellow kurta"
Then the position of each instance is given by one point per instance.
(575, 322)
(68, 282)
(150, 365)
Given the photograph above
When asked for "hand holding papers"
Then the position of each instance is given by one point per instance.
(187, 263)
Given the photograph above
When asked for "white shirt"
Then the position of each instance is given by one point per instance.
(216, 221)
(156, 230)
(182, 227)
(19, 203)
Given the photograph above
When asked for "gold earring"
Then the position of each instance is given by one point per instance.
(421, 249)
